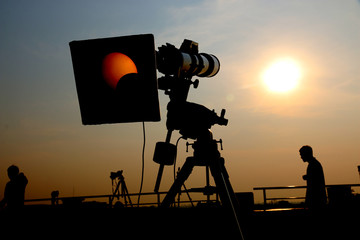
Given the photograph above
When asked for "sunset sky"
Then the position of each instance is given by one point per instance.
(40, 123)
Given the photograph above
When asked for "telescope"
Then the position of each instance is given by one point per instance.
(116, 82)
(191, 119)
(179, 66)
(116, 78)
(186, 60)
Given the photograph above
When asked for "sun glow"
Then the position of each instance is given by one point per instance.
(282, 76)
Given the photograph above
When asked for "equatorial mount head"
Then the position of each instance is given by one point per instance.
(192, 119)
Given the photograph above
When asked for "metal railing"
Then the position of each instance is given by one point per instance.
(111, 197)
(265, 198)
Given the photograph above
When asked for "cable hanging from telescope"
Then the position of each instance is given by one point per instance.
(177, 142)
(142, 163)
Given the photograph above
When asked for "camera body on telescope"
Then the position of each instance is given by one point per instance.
(114, 175)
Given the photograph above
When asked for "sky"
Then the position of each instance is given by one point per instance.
(40, 123)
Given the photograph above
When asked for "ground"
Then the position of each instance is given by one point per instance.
(177, 223)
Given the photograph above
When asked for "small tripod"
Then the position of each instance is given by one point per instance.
(117, 179)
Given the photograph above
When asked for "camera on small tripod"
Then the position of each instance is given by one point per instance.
(119, 188)
(118, 174)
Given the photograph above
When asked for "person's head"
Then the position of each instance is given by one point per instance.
(306, 153)
(12, 171)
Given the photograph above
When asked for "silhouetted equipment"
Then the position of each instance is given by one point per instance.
(246, 201)
(54, 198)
(339, 196)
(119, 188)
(116, 79)
(116, 82)
(193, 121)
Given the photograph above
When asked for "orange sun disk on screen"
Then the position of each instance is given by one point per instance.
(116, 65)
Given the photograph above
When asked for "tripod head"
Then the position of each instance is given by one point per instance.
(118, 174)
(192, 119)
(189, 118)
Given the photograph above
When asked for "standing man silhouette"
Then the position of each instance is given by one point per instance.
(315, 180)
(14, 194)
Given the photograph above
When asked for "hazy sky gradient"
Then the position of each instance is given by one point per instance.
(40, 125)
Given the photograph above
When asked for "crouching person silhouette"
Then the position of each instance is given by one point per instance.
(14, 193)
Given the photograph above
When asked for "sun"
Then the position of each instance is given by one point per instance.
(116, 65)
(282, 76)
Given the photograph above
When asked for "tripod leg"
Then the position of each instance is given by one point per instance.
(126, 193)
(187, 193)
(158, 179)
(183, 174)
(226, 192)
(116, 193)
(167, 151)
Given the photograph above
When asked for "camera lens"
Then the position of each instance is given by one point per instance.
(201, 65)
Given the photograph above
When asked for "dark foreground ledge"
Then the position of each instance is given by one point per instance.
(46, 222)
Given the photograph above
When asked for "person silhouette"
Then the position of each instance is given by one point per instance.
(315, 180)
(14, 193)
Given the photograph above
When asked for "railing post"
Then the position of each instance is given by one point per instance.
(158, 199)
(110, 201)
(264, 194)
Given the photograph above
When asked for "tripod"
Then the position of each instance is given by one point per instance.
(118, 179)
(206, 154)
(193, 121)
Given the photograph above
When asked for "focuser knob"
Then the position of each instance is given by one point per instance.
(222, 120)
(187, 146)
(222, 115)
(221, 145)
